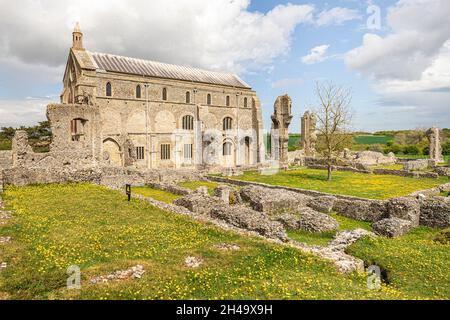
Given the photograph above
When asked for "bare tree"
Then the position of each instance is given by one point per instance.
(333, 121)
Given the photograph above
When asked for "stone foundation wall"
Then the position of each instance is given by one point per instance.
(430, 212)
(404, 173)
(339, 168)
(416, 165)
(108, 176)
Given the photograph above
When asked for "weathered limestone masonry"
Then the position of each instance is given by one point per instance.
(416, 165)
(281, 119)
(434, 138)
(243, 219)
(152, 115)
(308, 135)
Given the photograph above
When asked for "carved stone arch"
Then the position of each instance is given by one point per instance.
(112, 152)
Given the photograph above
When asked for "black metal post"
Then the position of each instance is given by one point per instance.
(128, 191)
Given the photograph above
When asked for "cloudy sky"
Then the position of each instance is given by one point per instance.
(395, 54)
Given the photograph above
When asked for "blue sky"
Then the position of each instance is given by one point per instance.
(399, 73)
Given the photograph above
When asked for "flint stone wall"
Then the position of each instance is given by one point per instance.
(243, 217)
(26, 176)
(6, 161)
(108, 176)
(442, 171)
(275, 201)
(404, 173)
(416, 165)
(340, 168)
(434, 212)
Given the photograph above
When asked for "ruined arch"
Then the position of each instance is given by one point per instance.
(112, 152)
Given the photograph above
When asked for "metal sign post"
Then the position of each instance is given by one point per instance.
(128, 191)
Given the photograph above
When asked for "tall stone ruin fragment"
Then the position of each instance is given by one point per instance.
(281, 119)
(309, 137)
(433, 136)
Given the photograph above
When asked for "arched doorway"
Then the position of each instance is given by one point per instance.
(228, 155)
(112, 152)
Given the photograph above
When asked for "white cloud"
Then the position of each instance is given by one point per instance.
(14, 113)
(219, 34)
(316, 55)
(410, 66)
(418, 41)
(337, 16)
(287, 82)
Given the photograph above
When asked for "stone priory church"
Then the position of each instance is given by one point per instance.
(129, 112)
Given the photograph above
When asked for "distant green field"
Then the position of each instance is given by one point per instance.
(369, 139)
(293, 138)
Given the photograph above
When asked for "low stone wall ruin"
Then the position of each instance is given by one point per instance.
(434, 212)
(416, 165)
(107, 176)
(405, 173)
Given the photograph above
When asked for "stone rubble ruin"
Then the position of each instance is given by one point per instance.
(433, 136)
(309, 136)
(281, 119)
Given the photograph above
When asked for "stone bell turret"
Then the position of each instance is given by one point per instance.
(77, 38)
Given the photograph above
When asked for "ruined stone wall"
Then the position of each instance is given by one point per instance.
(434, 137)
(281, 119)
(308, 134)
(6, 160)
(416, 165)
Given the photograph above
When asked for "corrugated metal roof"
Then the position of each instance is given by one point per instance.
(148, 68)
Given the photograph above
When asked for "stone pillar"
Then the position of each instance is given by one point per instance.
(309, 137)
(281, 119)
(433, 135)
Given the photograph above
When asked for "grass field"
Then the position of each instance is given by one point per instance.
(414, 262)
(56, 226)
(370, 139)
(159, 195)
(346, 183)
(194, 185)
(5, 144)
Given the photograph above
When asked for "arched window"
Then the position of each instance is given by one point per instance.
(227, 146)
(188, 123)
(164, 94)
(227, 101)
(208, 99)
(227, 123)
(245, 102)
(138, 92)
(188, 97)
(108, 89)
